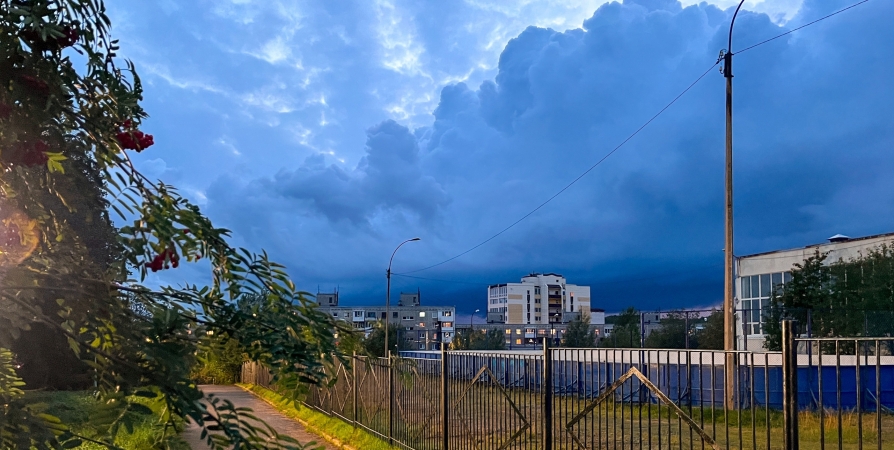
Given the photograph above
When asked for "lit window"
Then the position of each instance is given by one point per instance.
(421, 313)
(518, 331)
(518, 341)
(508, 331)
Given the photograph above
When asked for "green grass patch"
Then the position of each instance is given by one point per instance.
(78, 409)
(350, 435)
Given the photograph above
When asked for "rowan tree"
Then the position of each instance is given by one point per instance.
(70, 121)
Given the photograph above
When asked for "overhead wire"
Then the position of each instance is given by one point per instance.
(625, 141)
(802, 26)
(578, 178)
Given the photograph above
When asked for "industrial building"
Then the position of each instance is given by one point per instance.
(759, 274)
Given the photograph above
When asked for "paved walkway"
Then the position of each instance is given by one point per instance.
(262, 410)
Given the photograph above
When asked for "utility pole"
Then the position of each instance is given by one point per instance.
(729, 317)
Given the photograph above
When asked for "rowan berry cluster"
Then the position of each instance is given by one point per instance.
(34, 84)
(69, 37)
(159, 262)
(9, 236)
(132, 138)
(28, 153)
(5, 111)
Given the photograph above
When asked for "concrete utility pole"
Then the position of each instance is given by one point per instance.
(729, 317)
(388, 295)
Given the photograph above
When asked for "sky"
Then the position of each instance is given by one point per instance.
(327, 133)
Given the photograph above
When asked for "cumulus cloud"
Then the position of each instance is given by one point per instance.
(812, 144)
(388, 179)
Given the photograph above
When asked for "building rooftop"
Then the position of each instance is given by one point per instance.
(837, 239)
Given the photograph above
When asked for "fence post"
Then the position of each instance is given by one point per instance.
(445, 406)
(390, 398)
(354, 390)
(547, 397)
(789, 385)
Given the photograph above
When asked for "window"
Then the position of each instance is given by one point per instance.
(447, 313)
(754, 298)
(421, 335)
(508, 331)
(447, 324)
(334, 314)
(421, 324)
(371, 314)
(394, 314)
(518, 331)
(422, 346)
(421, 313)
(358, 313)
(518, 342)
(541, 332)
(383, 315)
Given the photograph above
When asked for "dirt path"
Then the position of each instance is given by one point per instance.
(263, 410)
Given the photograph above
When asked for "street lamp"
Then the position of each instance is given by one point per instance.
(388, 293)
(472, 317)
(729, 319)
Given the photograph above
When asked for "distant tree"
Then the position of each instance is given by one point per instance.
(374, 344)
(844, 298)
(219, 360)
(492, 339)
(711, 337)
(578, 334)
(671, 333)
(626, 331)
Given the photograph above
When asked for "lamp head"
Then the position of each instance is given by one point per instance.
(415, 239)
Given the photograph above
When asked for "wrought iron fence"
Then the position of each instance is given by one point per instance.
(623, 398)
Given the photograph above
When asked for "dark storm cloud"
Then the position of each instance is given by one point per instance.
(813, 137)
(388, 177)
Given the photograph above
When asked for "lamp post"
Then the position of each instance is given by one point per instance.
(729, 318)
(471, 327)
(388, 293)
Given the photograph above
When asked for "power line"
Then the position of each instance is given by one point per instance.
(618, 147)
(574, 181)
(802, 26)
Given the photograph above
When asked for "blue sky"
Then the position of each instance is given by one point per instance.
(328, 132)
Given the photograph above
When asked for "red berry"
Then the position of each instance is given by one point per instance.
(35, 84)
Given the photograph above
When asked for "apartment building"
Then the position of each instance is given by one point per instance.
(423, 327)
(540, 298)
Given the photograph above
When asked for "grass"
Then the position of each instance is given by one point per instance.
(76, 410)
(320, 423)
(481, 416)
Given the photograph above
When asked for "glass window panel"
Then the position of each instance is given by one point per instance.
(765, 285)
(746, 305)
(756, 315)
(776, 279)
(755, 287)
(786, 277)
(746, 287)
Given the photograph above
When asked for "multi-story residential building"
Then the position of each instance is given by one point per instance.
(539, 299)
(757, 275)
(423, 327)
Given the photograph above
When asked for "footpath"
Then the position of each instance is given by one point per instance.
(262, 410)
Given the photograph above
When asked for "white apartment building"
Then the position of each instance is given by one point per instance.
(540, 298)
(757, 275)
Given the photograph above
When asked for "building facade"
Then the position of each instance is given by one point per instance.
(759, 274)
(540, 299)
(422, 327)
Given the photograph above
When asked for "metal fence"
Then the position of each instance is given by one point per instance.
(623, 398)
